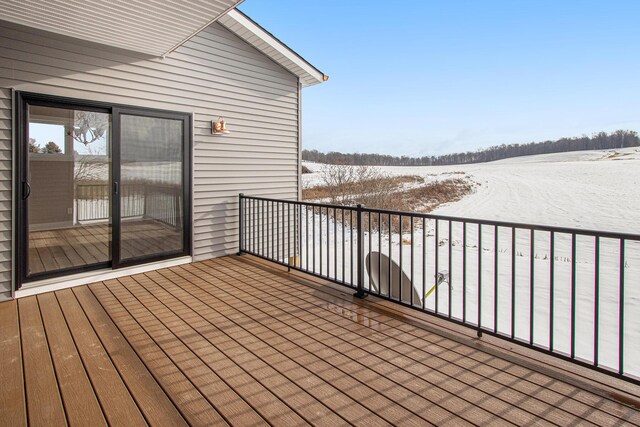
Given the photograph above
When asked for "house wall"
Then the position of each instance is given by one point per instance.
(5, 193)
(214, 74)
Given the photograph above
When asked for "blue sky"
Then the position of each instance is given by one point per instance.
(432, 77)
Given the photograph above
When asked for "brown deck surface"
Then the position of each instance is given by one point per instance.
(233, 341)
(81, 245)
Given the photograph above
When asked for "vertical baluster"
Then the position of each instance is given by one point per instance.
(335, 242)
(289, 206)
(513, 282)
(596, 302)
(320, 236)
(379, 253)
(306, 232)
(369, 251)
(464, 272)
(360, 253)
(573, 295)
(390, 255)
(621, 312)
(277, 256)
(412, 281)
(450, 267)
(479, 280)
(531, 289)
(552, 246)
(351, 247)
(328, 274)
(435, 246)
(495, 278)
(241, 242)
(313, 223)
(401, 269)
(424, 263)
(343, 246)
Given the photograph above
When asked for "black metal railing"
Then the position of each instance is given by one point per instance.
(567, 292)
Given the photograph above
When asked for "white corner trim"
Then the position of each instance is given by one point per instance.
(270, 40)
(50, 285)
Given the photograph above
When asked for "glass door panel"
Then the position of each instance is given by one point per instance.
(68, 189)
(151, 186)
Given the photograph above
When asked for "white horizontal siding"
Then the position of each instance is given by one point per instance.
(214, 74)
(5, 193)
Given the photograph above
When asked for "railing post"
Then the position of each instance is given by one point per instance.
(240, 225)
(360, 290)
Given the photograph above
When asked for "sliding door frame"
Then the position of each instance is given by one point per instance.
(116, 253)
(21, 233)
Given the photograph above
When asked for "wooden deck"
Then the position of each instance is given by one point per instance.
(233, 341)
(81, 245)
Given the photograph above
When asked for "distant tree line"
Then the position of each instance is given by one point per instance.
(598, 141)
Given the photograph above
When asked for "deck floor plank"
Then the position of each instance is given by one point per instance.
(253, 392)
(238, 341)
(149, 396)
(408, 338)
(287, 355)
(44, 404)
(117, 404)
(402, 387)
(250, 351)
(228, 403)
(355, 336)
(80, 403)
(192, 404)
(12, 398)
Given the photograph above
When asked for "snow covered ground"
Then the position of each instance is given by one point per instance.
(586, 189)
(589, 190)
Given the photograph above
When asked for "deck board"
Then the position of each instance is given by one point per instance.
(461, 376)
(171, 338)
(118, 405)
(44, 404)
(347, 376)
(401, 335)
(156, 406)
(12, 398)
(80, 403)
(193, 406)
(235, 341)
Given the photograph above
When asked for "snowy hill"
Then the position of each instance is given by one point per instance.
(597, 190)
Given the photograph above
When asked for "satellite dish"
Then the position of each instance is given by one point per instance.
(381, 281)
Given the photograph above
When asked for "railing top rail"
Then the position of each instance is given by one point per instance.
(535, 227)
(297, 202)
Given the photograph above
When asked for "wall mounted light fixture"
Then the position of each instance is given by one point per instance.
(218, 127)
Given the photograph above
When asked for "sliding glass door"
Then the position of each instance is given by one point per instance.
(68, 189)
(100, 186)
(150, 181)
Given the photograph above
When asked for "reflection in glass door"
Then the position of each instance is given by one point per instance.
(150, 177)
(67, 189)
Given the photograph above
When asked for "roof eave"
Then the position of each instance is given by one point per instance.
(250, 31)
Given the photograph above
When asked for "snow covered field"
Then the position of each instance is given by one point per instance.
(586, 189)
(595, 190)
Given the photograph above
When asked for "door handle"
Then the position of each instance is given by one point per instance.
(115, 188)
(26, 190)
